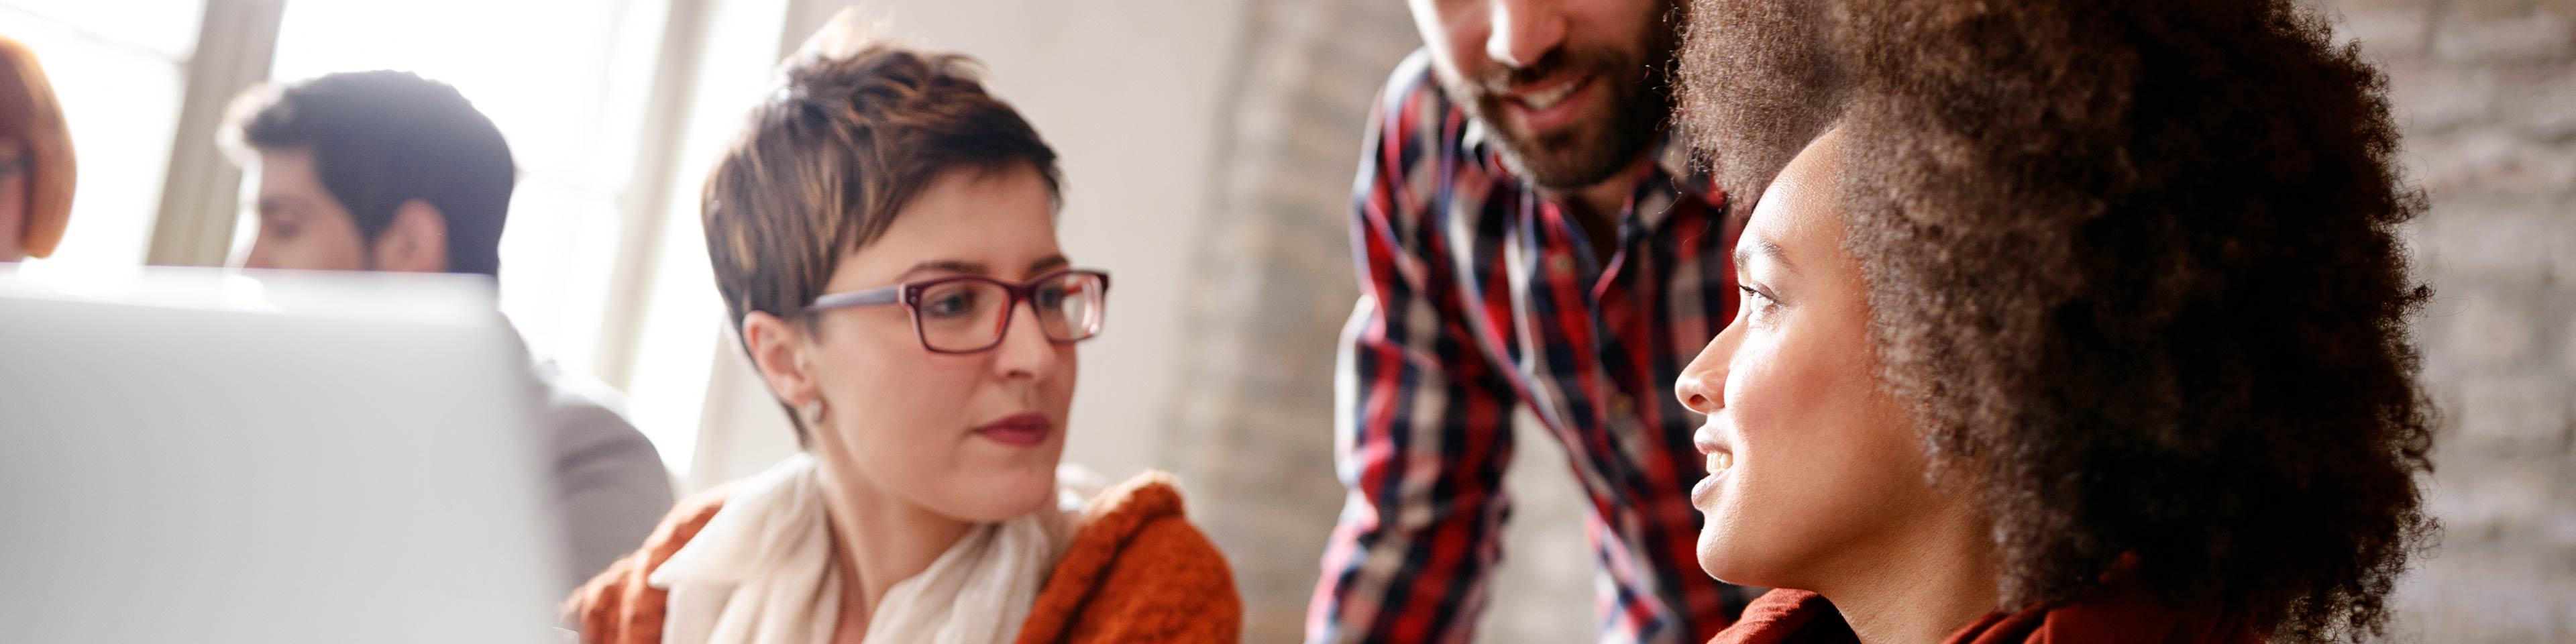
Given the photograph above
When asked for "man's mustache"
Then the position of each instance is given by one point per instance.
(1501, 81)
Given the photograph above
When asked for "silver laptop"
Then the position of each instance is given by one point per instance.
(209, 456)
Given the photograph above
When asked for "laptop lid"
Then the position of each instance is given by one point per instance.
(210, 456)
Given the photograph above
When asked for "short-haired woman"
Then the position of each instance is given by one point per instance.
(885, 232)
(2083, 321)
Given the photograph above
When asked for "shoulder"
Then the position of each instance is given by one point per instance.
(1137, 570)
(1421, 158)
(1143, 522)
(584, 414)
(1146, 516)
(596, 451)
(2121, 609)
(1413, 118)
(619, 606)
(1412, 87)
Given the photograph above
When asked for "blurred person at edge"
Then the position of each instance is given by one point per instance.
(884, 232)
(35, 158)
(1528, 235)
(388, 171)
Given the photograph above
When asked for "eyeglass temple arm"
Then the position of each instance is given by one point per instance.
(870, 297)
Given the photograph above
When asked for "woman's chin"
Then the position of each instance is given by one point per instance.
(1721, 560)
(1712, 558)
(1008, 494)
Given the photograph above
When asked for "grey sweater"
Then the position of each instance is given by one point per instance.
(611, 486)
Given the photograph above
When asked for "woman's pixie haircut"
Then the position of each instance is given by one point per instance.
(855, 129)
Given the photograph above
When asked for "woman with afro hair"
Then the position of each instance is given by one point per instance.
(2063, 321)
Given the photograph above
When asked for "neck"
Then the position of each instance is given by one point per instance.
(1597, 207)
(1917, 587)
(877, 542)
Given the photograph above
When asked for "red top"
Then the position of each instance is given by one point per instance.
(2117, 613)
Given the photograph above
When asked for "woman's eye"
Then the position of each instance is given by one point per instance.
(952, 303)
(1757, 306)
(1049, 298)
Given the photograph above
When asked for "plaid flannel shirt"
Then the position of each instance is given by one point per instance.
(1478, 294)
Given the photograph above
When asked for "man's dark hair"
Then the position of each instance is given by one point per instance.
(2135, 265)
(383, 138)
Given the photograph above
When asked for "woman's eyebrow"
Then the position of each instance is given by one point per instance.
(1764, 249)
(1050, 262)
(946, 266)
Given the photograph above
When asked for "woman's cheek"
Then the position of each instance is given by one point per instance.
(1788, 475)
(1060, 388)
(896, 396)
(13, 214)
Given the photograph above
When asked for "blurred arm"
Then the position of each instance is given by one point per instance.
(1423, 428)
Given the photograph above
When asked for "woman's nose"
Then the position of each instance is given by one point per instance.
(1702, 386)
(1025, 350)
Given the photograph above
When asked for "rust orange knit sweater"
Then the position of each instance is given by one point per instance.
(1137, 571)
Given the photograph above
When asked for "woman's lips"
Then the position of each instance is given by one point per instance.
(1018, 430)
(1721, 458)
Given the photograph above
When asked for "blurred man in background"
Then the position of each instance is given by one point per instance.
(387, 171)
(1525, 235)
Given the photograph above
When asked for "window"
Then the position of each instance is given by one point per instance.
(569, 83)
(612, 108)
(119, 69)
(551, 76)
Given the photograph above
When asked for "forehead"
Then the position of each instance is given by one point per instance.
(287, 169)
(1802, 204)
(288, 179)
(1002, 219)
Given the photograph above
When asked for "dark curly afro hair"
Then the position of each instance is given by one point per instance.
(2135, 267)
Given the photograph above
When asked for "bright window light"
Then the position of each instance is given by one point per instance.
(567, 82)
(117, 68)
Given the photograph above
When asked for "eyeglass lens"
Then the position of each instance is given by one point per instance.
(971, 315)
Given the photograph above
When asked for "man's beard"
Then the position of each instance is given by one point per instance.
(1588, 152)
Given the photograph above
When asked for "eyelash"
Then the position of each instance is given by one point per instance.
(1766, 303)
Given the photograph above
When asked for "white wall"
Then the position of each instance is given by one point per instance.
(1128, 92)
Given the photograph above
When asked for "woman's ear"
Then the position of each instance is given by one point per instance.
(416, 241)
(778, 352)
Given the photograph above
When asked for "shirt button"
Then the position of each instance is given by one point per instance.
(1561, 264)
(1623, 405)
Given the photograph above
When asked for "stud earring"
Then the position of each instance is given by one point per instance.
(814, 413)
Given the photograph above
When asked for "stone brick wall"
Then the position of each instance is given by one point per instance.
(1252, 416)
(2486, 93)
(2486, 90)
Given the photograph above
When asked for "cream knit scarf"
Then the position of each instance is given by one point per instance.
(760, 572)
